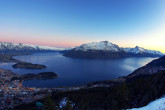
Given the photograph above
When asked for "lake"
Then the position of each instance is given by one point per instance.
(74, 72)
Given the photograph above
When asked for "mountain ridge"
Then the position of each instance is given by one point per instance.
(19, 47)
(106, 49)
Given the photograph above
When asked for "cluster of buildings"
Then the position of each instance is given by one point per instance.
(12, 93)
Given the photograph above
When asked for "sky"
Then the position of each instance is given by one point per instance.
(69, 23)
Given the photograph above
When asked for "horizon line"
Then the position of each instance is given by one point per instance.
(36, 44)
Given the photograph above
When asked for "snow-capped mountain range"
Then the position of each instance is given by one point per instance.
(8, 47)
(106, 45)
(140, 50)
(109, 50)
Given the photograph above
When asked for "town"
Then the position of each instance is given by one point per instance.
(13, 94)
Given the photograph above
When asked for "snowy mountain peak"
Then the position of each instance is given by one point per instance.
(103, 45)
(7, 47)
(106, 42)
(140, 50)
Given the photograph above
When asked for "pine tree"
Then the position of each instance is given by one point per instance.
(68, 106)
(49, 104)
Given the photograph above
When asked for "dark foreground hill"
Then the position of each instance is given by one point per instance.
(151, 68)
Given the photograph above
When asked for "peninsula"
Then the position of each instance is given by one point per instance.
(19, 64)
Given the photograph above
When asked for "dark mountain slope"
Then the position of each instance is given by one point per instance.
(151, 68)
(137, 93)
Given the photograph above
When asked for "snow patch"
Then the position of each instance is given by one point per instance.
(158, 104)
(103, 45)
(63, 103)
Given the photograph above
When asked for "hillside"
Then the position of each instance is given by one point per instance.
(151, 68)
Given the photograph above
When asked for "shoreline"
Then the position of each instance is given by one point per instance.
(11, 90)
(19, 64)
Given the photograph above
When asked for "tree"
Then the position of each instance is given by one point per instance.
(49, 104)
(122, 95)
(68, 106)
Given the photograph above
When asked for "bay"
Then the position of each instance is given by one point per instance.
(75, 72)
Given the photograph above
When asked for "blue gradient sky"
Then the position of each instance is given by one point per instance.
(67, 23)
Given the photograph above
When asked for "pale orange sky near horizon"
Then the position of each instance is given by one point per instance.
(143, 41)
(154, 39)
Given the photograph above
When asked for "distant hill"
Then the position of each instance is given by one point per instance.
(106, 49)
(139, 51)
(6, 47)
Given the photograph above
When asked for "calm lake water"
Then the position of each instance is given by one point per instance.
(74, 72)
